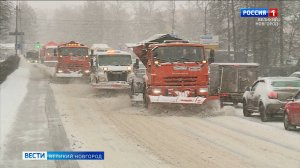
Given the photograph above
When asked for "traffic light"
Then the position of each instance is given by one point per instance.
(37, 45)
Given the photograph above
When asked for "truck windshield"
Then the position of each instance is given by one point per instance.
(116, 60)
(179, 53)
(50, 52)
(72, 51)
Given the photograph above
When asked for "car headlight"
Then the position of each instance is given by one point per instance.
(203, 90)
(129, 68)
(156, 90)
(87, 71)
(59, 71)
(105, 69)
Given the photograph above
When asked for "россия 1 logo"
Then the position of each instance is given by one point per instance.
(259, 12)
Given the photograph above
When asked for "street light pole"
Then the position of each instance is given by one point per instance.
(173, 17)
(16, 38)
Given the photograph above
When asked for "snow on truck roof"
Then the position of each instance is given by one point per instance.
(158, 38)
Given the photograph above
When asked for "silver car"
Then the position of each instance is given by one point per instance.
(267, 95)
(295, 74)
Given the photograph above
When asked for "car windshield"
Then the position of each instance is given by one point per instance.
(179, 53)
(73, 51)
(295, 83)
(115, 60)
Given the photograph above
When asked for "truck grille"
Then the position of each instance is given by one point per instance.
(181, 81)
(74, 67)
(117, 76)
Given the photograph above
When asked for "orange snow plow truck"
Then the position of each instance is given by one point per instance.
(176, 71)
(73, 61)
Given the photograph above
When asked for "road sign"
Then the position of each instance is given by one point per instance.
(37, 45)
(16, 33)
(18, 46)
(209, 40)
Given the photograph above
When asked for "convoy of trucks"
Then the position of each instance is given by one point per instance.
(162, 69)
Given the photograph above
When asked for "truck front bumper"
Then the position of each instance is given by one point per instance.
(69, 75)
(116, 85)
(178, 99)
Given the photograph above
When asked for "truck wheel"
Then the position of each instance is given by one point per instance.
(235, 103)
(221, 104)
(246, 112)
(145, 98)
(263, 113)
(286, 123)
(132, 89)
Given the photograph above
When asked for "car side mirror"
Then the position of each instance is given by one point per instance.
(211, 58)
(290, 99)
(55, 52)
(248, 88)
(92, 52)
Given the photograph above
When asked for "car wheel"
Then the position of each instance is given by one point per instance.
(246, 112)
(263, 114)
(287, 125)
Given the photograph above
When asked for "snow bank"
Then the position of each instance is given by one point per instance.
(12, 93)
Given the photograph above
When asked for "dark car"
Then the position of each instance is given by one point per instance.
(268, 95)
(292, 113)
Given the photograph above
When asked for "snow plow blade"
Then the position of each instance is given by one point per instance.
(177, 100)
(112, 86)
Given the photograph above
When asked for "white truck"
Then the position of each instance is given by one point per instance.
(111, 69)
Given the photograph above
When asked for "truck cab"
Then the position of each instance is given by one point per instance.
(111, 69)
(48, 54)
(73, 60)
(176, 71)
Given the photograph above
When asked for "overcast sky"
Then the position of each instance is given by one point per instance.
(45, 5)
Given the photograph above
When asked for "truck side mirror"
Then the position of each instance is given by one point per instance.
(136, 64)
(55, 52)
(92, 52)
(211, 58)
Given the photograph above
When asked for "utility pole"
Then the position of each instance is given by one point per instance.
(205, 18)
(173, 16)
(16, 39)
(16, 33)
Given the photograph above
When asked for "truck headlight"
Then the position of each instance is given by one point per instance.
(105, 69)
(203, 90)
(59, 71)
(156, 90)
(129, 68)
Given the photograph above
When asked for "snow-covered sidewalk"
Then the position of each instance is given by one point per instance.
(12, 93)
